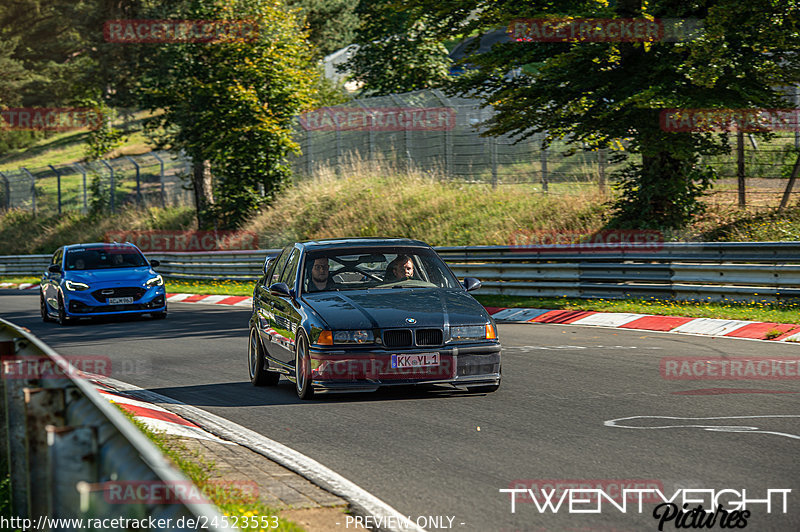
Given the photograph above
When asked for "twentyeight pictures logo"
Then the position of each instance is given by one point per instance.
(49, 118)
(179, 31)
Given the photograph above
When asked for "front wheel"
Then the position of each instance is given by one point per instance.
(302, 369)
(259, 376)
(63, 319)
(43, 309)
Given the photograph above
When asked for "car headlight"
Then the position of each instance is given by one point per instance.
(353, 337)
(155, 281)
(472, 332)
(73, 286)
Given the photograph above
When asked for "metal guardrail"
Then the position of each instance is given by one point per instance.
(64, 443)
(680, 270)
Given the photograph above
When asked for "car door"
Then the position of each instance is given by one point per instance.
(285, 311)
(52, 280)
(267, 302)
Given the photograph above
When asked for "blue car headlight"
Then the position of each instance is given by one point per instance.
(73, 286)
(155, 281)
(353, 337)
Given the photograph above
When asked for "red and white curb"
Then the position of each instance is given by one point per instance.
(236, 301)
(154, 417)
(21, 286)
(754, 330)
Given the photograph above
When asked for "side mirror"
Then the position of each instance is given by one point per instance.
(471, 283)
(155, 263)
(54, 268)
(266, 265)
(280, 289)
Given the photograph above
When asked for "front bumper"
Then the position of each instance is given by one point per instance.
(359, 368)
(83, 304)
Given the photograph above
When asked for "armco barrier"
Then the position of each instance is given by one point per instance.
(62, 441)
(680, 270)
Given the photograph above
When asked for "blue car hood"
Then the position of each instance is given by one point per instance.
(127, 276)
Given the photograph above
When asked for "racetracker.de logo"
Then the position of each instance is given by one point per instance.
(186, 240)
(564, 29)
(41, 367)
(721, 120)
(49, 118)
(379, 119)
(171, 492)
(723, 368)
(397, 367)
(606, 241)
(179, 31)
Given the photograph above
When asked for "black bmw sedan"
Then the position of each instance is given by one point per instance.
(358, 314)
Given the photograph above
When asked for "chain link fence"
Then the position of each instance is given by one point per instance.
(150, 179)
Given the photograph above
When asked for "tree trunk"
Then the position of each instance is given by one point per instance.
(740, 168)
(203, 193)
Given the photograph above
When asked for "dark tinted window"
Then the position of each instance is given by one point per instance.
(290, 272)
(57, 256)
(280, 262)
(104, 258)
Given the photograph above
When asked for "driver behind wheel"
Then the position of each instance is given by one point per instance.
(320, 276)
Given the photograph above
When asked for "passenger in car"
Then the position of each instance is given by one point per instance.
(400, 269)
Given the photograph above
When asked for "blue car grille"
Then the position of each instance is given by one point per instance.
(135, 292)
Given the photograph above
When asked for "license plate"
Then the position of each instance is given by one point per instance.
(119, 300)
(423, 360)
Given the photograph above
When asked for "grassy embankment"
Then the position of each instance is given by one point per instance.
(362, 200)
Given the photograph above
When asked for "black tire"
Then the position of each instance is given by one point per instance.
(484, 388)
(302, 368)
(43, 309)
(63, 319)
(259, 375)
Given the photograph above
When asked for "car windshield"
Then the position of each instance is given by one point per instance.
(102, 258)
(367, 268)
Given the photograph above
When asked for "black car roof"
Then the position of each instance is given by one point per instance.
(333, 243)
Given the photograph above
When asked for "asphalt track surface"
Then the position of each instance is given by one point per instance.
(448, 454)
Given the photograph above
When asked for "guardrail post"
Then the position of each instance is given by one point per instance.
(43, 406)
(33, 188)
(7, 190)
(82, 171)
(58, 180)
(161, 179)
(110, 169)
(15, 429)
(138, 184)
(73, 458)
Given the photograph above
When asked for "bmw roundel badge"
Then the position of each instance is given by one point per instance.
(411, 320)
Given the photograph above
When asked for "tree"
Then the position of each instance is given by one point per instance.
(230, 104)
(331, 23)
(599, 92)
(399, 50)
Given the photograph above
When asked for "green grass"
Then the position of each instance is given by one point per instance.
(20, 280)
(230, 501)
(223, 287)
(766, 311)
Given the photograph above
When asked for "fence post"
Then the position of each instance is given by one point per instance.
(138, 185)
(543, 160)
(58, 180)
(370, 132)
(161, 179)
(448, 134)
(110, 169)
(740, 168)
(493, 148)
(82, 170)
(33, 188)
(7, 189)
(309, 153)
(601, 164)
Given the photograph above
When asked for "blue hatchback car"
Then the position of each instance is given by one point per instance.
(92, 280)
